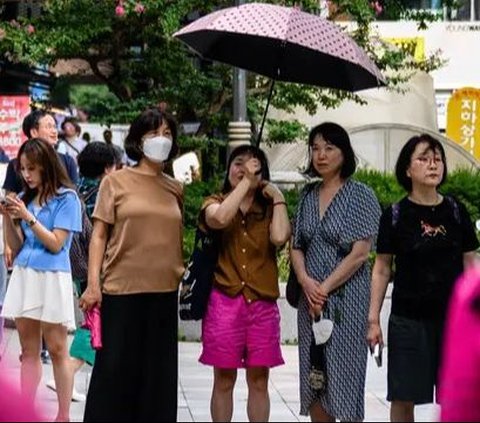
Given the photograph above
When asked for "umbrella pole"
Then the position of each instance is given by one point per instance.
(259, 139)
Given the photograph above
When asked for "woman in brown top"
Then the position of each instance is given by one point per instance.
(135, 264)
(241, 328)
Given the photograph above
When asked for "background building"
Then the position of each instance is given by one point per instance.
(379, 129)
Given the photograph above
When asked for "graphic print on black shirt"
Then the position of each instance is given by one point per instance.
(428, 243)
(432, 231)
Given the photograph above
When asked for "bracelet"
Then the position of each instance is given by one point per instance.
(32, 222)
(279, 202)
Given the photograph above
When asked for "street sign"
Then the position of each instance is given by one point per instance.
(463, 119)
(13, 110)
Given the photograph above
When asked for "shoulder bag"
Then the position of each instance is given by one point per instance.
(197, 280)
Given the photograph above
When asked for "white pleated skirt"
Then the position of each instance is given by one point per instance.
(38, 295)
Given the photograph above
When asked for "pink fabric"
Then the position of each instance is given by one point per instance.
(93, 323)
(460, 374)
(236, 334)
(13, 408)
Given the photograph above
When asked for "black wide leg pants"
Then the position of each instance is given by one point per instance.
(135, 375)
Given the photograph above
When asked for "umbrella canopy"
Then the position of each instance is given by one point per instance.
(284, 44)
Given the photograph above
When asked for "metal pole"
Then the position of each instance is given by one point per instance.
(239, 89)
(239, 130)
(239, 95)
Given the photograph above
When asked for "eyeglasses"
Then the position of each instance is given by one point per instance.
(48, 127)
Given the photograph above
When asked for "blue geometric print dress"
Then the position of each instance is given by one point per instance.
(353, 215)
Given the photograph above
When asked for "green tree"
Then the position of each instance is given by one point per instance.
(128, 46)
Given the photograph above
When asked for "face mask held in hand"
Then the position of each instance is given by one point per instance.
(157, 149)
(322, 330)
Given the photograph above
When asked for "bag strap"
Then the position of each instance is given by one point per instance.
(71, 146)
(307, 191)
(395, 214)
(456, 210)
(89, 193)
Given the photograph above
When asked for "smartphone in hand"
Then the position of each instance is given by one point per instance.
(376, 352)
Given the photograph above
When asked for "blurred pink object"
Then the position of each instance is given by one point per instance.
(93, 323)
(14, 408)
(139, 8)
(120, 11)
(460, 372)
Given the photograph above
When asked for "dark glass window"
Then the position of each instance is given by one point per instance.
(423, 4)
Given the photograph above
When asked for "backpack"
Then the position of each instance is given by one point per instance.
(450, 200)
(80, 243)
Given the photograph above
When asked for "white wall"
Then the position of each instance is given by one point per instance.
(415, 106)
(95, 130)
(459, 43)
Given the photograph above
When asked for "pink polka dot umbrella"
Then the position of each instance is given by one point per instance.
(284, 44)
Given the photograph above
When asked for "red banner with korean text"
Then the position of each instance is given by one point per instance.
(13, 109)
(463, 119)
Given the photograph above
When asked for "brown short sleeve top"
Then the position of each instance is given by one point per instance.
(144, 248)
(247, 261)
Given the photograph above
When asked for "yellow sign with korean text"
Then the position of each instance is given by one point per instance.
(415, 46)
(463, 119)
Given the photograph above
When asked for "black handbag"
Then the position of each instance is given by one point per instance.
(293, 290)
(197, 280)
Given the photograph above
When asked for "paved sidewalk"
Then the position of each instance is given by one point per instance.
(196, 384)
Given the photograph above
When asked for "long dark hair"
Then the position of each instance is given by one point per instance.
(53, 173)
(265, 171)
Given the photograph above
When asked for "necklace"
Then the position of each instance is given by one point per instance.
(438, 200)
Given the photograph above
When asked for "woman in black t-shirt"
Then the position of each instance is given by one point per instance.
(432, 238)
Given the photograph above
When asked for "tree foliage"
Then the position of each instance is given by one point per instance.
(128, 46)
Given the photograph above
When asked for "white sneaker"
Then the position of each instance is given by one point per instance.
(76, 396)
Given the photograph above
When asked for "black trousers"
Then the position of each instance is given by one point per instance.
(135, 376)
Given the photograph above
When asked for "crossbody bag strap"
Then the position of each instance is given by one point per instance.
(72, 146)
(89, 193)
(311, 188)
(454, 205)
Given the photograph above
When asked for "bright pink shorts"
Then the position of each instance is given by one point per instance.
(236, 334)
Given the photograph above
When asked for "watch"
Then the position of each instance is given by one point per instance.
(32, 221)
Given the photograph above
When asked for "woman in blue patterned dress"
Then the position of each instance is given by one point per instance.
(335, 227)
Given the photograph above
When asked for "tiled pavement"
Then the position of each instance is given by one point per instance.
(196, 382)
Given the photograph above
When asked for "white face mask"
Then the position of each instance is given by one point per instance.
(322, 330)
(157, 149)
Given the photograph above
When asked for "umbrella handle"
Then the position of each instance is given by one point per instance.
(259, 139)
